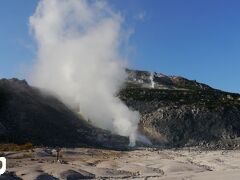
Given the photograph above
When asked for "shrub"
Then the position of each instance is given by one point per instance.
(15, 147)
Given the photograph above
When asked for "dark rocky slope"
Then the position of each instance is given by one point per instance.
(179, 112)
(27, 115)
(174, 111)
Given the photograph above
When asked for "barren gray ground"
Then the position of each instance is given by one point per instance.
(87, 163)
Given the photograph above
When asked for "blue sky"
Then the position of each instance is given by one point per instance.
(197, 39)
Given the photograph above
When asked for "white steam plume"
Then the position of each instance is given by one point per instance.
(78, 58)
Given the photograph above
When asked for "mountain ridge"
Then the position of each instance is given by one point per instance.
(180, 112)
(174, 111)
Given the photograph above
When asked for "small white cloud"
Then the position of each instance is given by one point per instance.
(141, 16)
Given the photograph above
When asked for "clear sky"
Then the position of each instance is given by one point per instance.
(197, 39)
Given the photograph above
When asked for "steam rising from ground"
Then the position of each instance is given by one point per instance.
(78, 59)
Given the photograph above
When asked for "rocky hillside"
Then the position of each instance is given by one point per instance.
(176, 111)
(27, 115)
(145, 79)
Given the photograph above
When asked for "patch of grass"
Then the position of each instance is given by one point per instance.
(24, 156)
(15, 147)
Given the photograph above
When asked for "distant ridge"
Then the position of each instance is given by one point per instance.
(161, 81)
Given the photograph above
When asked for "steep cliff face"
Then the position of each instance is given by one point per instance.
(28, 115)
(179, 112)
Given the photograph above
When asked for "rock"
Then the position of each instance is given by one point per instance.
(9, 176)
(73, 175)
(46, 176)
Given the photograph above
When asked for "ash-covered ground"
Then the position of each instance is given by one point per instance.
(145, 163)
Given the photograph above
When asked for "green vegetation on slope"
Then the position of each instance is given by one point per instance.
(206, 98)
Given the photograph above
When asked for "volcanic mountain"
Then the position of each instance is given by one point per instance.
(30, 115)
(181, 112)
(175, 112)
